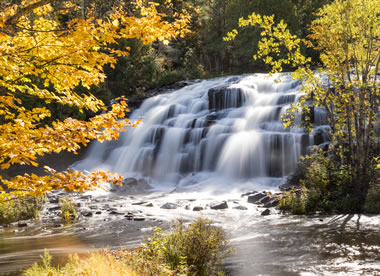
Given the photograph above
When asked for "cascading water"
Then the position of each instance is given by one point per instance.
(229, 128)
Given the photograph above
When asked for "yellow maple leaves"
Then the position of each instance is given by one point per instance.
(43, 56)
(346, 34)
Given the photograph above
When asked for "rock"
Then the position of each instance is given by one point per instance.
(139, 203)
(86, 213)
(22, 224)
(225, 96)
(115, 213)
(240, 207)
(273, 203)
(52, 209)
(129, 216)
(58, 225)
(265, 200)
(86, 197)
(256, 197)
(139, 219)
(219, 205)
(169, 205)
(197, 208)
(149, 204)
(54, 200)
(266, 212)
(98, 212)
(286, 187)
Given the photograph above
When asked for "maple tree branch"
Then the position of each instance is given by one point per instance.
(24, 10)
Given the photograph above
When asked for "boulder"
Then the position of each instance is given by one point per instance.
(219, 205)
(266, 212)
(265, 200)
(169, 205)
(273, 203)
(22, 224)
(197, 208)
(256, 197)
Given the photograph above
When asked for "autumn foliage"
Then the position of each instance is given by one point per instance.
(345, 83)
(48, 48)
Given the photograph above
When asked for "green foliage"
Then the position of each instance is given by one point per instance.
(323, 184)
(294, 201)
(372, 204)
(68, 212)
(198, 248)
(20, 209)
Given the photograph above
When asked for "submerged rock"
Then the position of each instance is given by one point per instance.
(240, 207)
(219, 205)
(169, 205)
(86, 213)
(22, 224)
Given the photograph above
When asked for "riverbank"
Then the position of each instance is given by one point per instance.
(274, 244)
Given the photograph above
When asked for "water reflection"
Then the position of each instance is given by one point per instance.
(273, 245)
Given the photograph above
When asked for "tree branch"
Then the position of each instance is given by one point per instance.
(23, 11)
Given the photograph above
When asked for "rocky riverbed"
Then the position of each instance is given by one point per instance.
(264, 241)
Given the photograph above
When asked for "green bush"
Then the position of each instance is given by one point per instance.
(372, 204)
(200, 247)
(68, 212)
(294, 201)
(20, 209)
(325, 185)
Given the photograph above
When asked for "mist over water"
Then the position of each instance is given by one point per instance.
(227, 129)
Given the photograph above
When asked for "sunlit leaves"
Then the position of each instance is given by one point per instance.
(42, 56)
(346, 34)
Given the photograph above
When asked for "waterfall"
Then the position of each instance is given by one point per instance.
(227, 127)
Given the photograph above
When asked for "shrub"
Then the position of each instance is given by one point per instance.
(294, 201)
(20, 209)
(197, 249)
(68, 212)
(372, 204)
(200, 247)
